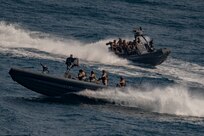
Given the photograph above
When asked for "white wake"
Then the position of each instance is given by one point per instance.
(13, 36)
(171, 100)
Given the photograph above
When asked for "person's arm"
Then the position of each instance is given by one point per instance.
(79, 75)
(104, 75)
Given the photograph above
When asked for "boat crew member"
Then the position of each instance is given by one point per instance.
(81, 75)
(151, 45)
(140, 28)
(119, 46)
(92, 77)
(114, 45)
(125, 47)
(45, 69)
(122, 82)
(120, 42)
(70, 62)
(138, 32)
(104, 77)
(138, 40)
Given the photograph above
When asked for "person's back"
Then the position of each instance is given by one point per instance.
(120, 42)
(69, 61)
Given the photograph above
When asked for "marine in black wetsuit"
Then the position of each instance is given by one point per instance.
(71, 62)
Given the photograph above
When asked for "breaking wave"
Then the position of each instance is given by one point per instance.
(13, 36)
(171, 100)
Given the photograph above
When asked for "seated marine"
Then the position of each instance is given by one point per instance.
(151, 45)
(81, 75)
(114, 45)
(120, 42)
(122, 82)
(104, 77)
(92, 77)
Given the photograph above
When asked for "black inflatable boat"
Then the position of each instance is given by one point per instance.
(50, 85)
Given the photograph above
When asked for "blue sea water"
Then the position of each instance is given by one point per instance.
(166, 100)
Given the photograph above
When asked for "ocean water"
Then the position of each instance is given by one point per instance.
(165, 100)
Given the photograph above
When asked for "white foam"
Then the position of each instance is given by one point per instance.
(15, 52)
(177, 70)
(183, 70)
(171, 100)
(13, 36)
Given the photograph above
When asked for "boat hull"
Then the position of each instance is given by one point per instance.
(49, 85)
(153, 58)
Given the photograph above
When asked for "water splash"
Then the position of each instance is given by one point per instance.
(176, 70)
(171, 100)
(13, 36)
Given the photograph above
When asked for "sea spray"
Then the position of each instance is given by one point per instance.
(22, 52)
(13, 36)
(171, 100)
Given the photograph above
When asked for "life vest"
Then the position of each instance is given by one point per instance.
(92, 77)
(81, 75)
(122, 83)
(104, 78)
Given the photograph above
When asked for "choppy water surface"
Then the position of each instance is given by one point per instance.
(166, 100)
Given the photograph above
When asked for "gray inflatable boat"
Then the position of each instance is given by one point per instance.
(140, 50)
(50, 85)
